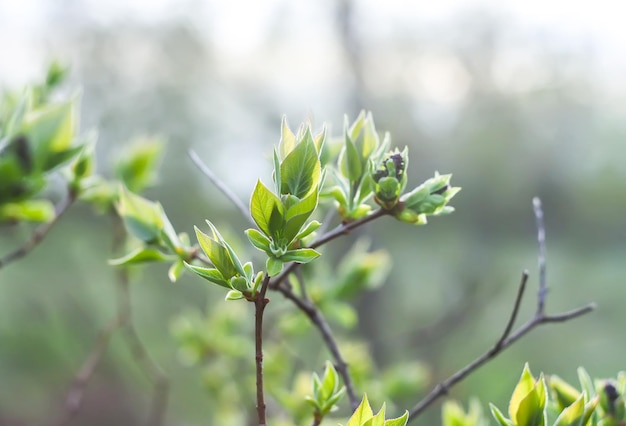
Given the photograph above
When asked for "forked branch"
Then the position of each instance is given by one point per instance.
(508, 337)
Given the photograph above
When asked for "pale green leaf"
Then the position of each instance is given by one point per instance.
(308, 230)
(399, 421)
(274, 266)
(217, 253)
(572, 415)
(303, 255)
(300, 171)
(362, 413)
(497, 414)
(298, 214)
(210, 274)
(266, 209)
(234, 295)
(524, 386)
(141, 255)
(141, 217)
(176, 270)
(27, 210)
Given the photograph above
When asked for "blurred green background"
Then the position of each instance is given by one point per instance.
(513, 99)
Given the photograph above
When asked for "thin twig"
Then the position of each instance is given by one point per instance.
(318, 320)
(507, 339)
(541, 240)
(40, 233)
(518, 301)
(220, 185)
(338, 231)
(76, 393)
(123, 320)
(260, 302)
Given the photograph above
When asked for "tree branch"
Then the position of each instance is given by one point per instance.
(221, 186)
(260, 302)
(507, 339)
(40, 233)
(123, 321)
(318, 320)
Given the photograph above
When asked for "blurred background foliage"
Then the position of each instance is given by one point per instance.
(512, 108)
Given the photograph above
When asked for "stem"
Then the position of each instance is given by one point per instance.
(507, 339)
(260, 302)
(318, 320)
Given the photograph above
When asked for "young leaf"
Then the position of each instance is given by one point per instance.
(234, 295)
(362, 413)
(264, 207)
(176, 270)
(524, 386)
(329, 382)
(217, 253)
(350, 162)
(572, 415)
(274, 266)
(141, 255)
(378, 419)
(497, 414)
(298, 214)
(210, 274)
(287, 139)
(258, 240)
(141, 217)
(300, 171)
(308, 230)
(399, 421)
(304, 255)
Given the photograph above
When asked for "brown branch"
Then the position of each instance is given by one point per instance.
(340, 230)
(318, 320)
(40, 233)
(260, 302)
(507, 339)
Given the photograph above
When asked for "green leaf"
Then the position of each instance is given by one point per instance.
(234, 295)
(176, 270)
(27, 210)
(50, 129)
(277, 177)
(300, 171)
(303, 255)
(234, 260)
(308, 230)
(138, 163)
(141, 255)
(298, 214)
(572, 415)
(258, 240)
(141, 217)
(274, 266)
(210, 274)
(266, 209)
(524, 386)
(378, 419)
(58, 158)
(217, 253)
(287, 139)
(497, 414)
(329, 382)
(362, 413)
(399, 421)
(350, 162)
(586, 383)
(530, 411)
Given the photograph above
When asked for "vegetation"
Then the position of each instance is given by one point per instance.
(317, 180)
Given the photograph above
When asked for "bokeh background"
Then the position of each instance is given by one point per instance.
(517, 99)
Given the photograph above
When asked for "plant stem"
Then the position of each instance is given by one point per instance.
(260, 302)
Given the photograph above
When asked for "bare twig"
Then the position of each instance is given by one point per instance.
(541, 240)
(123, 321)
(40, 233)
(340, 230)
(76, 393)
(220, 185)
(507, 339)
(318, 320)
